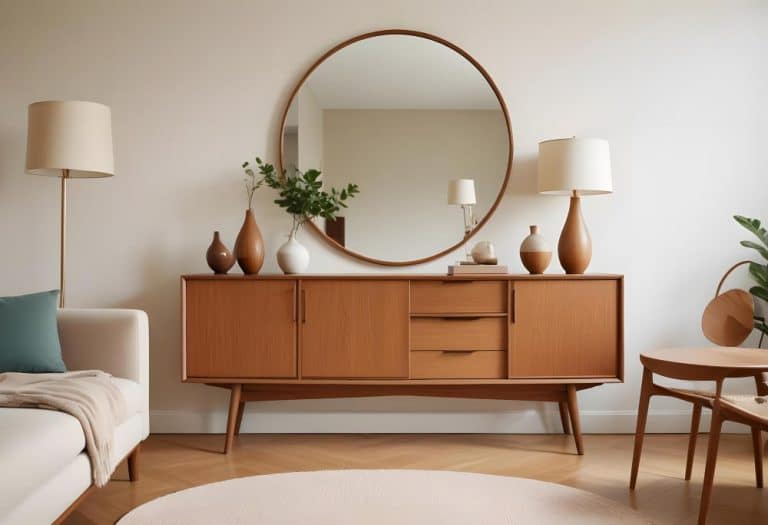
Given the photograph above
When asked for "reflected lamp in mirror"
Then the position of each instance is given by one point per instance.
(461, 192)
(575, 167)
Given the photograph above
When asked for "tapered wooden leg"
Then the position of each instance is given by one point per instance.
(133, 463)
(709, 472)
(642, 416)
(240, 410)
(234, 404)
(563, 405)
(695, 419)
(573, 409)
(757, 445)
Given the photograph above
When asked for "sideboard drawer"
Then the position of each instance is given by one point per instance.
(458, 333)
(455, 296)
(458, 365)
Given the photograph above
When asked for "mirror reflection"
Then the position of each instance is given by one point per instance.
(417, 127)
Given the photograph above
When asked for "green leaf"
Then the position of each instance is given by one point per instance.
(760, 292)
(753, 226)
(759, 273)
(762, 250)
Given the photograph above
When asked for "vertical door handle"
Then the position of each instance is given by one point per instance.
(295, 302)
(303, 305)
(512, 307)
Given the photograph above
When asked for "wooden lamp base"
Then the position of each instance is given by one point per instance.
(575, 246)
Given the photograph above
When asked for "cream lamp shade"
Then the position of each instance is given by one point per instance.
(461, 192)
(574, 164)
(70, 135)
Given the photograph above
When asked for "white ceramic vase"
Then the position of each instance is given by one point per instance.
(535, 252)
(292, 256)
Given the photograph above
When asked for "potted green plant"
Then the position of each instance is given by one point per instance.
(303, 197)
(758, 271)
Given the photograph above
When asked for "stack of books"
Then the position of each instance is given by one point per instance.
(477, 269)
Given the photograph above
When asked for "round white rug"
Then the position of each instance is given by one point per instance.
(373, 497)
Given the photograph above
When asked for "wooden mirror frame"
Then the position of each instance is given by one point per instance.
(496, 92)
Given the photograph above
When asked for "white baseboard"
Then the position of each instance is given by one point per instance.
(345, 422)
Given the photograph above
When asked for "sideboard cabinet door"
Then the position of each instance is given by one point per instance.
(565, 329)
(354, 329)
(240, 329)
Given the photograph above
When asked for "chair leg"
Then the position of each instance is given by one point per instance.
(695, 419)
(563, 405)
(234, 403)
(757, 445)
(642, 415)
(239, 421)
(709, 472)
(133, 463)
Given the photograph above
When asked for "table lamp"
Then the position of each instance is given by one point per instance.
(575, 167)
(69, 139)
(461, 192)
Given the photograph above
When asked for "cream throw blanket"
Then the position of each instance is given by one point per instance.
(88, 395)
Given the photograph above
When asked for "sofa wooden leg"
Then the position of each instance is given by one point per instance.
(133, 463)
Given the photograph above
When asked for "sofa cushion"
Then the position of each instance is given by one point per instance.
(30, 337)
(35, 444)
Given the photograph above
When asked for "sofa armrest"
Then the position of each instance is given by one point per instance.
(113, 340)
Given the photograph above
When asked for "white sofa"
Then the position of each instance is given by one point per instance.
(44, 469)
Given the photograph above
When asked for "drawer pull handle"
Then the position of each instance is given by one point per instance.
(461, 318)
(458, 281)
(458, 351)
(303, 306)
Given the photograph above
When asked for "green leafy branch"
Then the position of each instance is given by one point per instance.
(758, 272)
(301, 194)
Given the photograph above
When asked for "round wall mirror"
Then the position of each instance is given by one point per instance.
(419, 126)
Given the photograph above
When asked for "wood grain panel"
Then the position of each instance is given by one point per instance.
(354, 329)
(240, 329)
(483, 333)
(445, 365)
(565, 329)
(458, 296)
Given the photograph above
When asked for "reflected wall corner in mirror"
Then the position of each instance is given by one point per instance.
(412, 119)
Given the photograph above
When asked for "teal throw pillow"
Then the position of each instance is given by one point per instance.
(29, 336)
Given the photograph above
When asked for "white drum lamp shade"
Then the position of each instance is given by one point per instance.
(70, 135)
(580, 164)
(461, 192)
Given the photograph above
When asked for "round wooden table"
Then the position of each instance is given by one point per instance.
(694, 364)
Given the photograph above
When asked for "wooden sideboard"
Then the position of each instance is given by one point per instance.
(515, 337)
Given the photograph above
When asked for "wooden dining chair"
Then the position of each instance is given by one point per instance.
(749, 410)
(699, 400)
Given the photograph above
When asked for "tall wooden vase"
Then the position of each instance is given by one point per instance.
(249, 246)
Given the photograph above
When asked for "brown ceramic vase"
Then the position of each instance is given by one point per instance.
(218, 256)
(249, 246)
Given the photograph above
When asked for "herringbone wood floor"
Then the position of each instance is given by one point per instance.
(174, 462)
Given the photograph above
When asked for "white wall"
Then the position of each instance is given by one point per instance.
(678, 88)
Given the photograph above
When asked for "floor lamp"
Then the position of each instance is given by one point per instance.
(70, 140)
